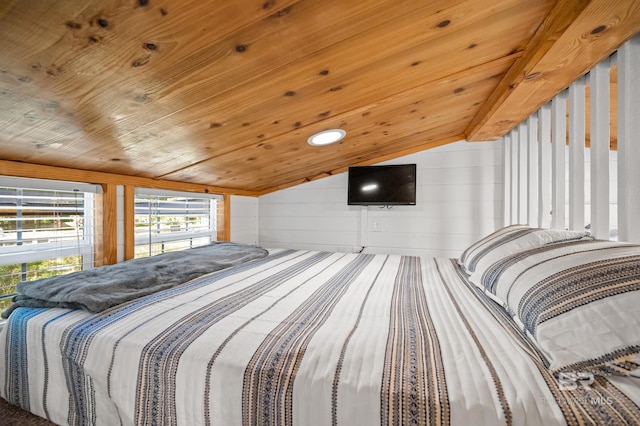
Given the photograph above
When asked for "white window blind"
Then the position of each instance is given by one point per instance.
(46, 229)
(169, 221)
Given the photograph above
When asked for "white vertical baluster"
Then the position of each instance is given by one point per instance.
(599, 143)
(544, 166)
(628, 140)
(532, 169)
(559, 141)
(576, 154)
(523, 174)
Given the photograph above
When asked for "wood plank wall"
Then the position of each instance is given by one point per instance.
(601, 179)
(107, 215)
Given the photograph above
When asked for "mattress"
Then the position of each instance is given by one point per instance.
(302, 338)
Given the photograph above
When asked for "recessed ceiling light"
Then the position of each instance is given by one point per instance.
(326, 137)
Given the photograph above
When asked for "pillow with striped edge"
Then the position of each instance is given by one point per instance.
(508, 240)
(578, 301)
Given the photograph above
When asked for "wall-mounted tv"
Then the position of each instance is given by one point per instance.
(392, 185)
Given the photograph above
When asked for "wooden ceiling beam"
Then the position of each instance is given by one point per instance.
(39, 171)
(574, 37)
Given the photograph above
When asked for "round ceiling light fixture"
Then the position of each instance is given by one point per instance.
(326, 137)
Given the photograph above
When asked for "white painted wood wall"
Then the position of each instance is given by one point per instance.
(551, 180)
(244, 220)
(459, 200)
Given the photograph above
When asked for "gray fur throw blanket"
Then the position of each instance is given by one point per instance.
(95, 290)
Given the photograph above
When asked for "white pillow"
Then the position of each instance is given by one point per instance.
(509, 240)
(579, 301)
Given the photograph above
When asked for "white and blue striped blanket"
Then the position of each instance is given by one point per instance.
(298, 338)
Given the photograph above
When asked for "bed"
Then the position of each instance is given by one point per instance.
(320, 338)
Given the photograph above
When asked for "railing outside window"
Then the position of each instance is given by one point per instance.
(169, 221)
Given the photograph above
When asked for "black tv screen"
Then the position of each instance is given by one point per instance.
(390, 185)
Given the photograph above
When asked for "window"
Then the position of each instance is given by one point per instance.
(169, 221)
(46, 229)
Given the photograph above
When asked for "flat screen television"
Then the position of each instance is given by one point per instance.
(392, 185)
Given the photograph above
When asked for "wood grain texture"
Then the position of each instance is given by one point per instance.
(224, 218)
(574, 38)
(20, 169)
(108, 246)
(225, 94)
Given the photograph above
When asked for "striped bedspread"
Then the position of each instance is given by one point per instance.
(303, 338)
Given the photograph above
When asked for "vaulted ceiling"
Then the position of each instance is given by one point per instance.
(226, 93)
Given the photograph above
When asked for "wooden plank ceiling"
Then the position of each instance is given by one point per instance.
(226, 93)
